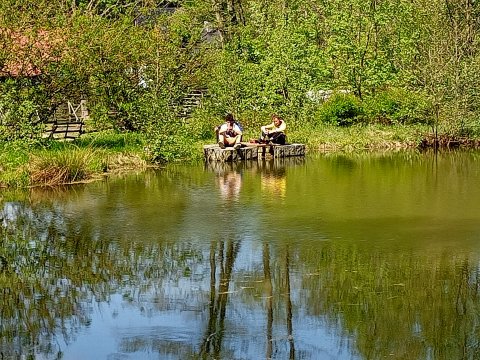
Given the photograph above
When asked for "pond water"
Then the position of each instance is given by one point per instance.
(336, 256)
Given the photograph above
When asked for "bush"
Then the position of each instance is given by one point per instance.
(169, 141)
(20, 111)
(399, 106)
(470, 127)
(341, 110)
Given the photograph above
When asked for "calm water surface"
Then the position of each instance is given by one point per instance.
(362, 256)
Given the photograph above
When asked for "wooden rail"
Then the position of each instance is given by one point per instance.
(64, 130)
(67, 123)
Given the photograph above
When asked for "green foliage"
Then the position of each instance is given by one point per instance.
(169, 140)
(398, 106)
(169, 146)
(109, 8)
(470, 127)
(201, 125)
(108, 60)
(341, 110)
(13, 156)
(20, 110)
(265, 72)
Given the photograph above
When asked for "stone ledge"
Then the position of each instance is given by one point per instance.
(250, 151)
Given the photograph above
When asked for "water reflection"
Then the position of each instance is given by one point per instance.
(150, 264)
(227, 253)
(274, 179)
(230, 183)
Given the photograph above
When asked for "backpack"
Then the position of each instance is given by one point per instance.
(239, 125)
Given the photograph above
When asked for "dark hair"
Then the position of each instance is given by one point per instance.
(229, 117)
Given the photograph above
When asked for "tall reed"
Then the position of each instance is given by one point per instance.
(62, 167)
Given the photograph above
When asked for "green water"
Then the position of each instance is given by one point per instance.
(363, 256)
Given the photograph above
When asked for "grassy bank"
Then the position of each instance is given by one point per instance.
(96, 155)
(55, 163)
(360, 137)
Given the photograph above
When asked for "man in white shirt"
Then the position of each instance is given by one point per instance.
(229, 133)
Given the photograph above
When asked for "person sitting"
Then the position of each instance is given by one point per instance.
(275, 132)
(229, 133)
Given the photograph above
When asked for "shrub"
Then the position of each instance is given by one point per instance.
(399, 106)
(169, 141)
(12, 157)
(341, 110)
(20, 111)
(470, 127)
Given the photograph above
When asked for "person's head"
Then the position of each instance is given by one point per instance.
(229, 118)
(277, 120)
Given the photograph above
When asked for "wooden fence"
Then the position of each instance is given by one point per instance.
(68, 122)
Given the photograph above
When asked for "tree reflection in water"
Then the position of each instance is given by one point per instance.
(41, 284)
(269, 302)
(289, 304)
(56, 268)
(212, 342)
(406, 307)
(269, 299)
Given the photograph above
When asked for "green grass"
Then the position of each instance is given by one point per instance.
(359, 137)
(112, 141)
(54, 162)
(62, 166)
